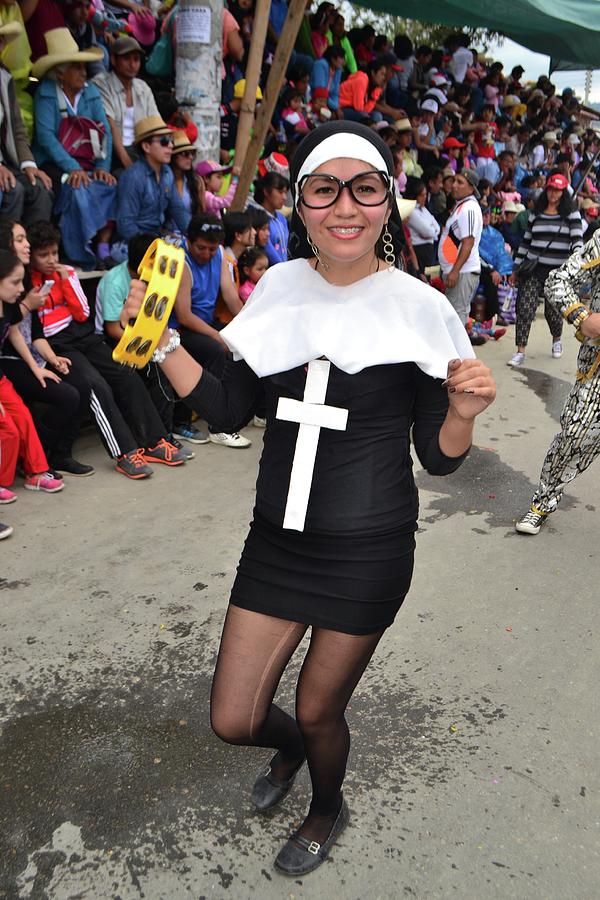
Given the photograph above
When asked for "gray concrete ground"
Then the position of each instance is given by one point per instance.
(474, 770)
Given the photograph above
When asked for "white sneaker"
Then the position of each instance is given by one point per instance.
(258, 422)
(557, 350)
(530, 523)
(517, 360)
(234, 440)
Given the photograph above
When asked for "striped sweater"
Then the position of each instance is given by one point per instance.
(550, 239)
(65, 302)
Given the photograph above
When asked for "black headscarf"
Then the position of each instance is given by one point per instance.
(298, 246)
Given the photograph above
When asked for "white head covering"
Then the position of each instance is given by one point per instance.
(346, 146)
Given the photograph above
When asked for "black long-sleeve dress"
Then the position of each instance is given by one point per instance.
(350, 568)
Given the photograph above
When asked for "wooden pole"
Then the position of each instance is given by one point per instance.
(253, 67)
(281, 59)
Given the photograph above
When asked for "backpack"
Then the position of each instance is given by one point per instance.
(83, 139)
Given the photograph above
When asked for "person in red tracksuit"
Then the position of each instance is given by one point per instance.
(18, 437)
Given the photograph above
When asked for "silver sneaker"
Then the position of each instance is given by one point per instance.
(517, 360)
(557, 349)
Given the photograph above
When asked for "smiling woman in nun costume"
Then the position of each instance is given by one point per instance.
(353, 355)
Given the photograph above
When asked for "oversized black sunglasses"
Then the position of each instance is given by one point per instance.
(318, 191)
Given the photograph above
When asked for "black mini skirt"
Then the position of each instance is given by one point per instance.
(350, 583)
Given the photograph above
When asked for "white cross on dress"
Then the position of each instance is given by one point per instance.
(312, 415)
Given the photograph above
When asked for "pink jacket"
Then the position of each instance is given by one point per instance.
(213, 203)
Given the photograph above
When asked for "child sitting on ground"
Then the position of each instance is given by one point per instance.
(252, 265)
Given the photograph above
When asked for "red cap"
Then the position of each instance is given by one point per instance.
(452, 142)
(558, 181)
(320, 93)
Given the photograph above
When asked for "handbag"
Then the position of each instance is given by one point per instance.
(530, 263)
(83, 139)
(160, 63)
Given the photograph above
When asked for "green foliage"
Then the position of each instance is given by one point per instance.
(418, 32)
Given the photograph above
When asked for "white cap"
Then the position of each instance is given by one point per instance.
(429, 106)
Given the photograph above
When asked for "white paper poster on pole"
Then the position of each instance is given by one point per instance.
(193, 25)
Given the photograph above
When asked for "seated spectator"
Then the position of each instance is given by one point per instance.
(363, 49)
(212, 175)
(15, 55)
(86, 202)
(110, 296)
(424, 134)
(240, 234)
(319, 110)
(40, 17)
(417, 82)
(18, 436)
(327, 73)
(509, 212)
(462, 58)
(35, 370)
(410, 165)
(188, 184)
(229, 115)
(26, 190)
(292, 115)
(399, 174)
(319, 26)
(253, 263)
(76, 13)
(205, 275)
(543, 154)
(64, 322)
(360, 92)
(337, 35)
(270, 193)
(452, 150)
(127, 99)
(260, 223)
(437, 202)
(146, 194)
(424, 229)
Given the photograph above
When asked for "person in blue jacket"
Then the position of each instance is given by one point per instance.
(327, 73)
(271, 193)
(83, 184)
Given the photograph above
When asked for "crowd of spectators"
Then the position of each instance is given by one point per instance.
(496, 181)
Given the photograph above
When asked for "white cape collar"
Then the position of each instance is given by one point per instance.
(294, 316)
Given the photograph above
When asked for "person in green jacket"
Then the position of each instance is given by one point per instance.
(337, 35)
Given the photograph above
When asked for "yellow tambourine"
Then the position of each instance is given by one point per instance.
(162, 268)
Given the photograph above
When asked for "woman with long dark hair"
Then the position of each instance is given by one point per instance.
(189, 186)
(353, 355)
(554, 231)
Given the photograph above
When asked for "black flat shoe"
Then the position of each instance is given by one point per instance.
(300, 856)
(268, 791)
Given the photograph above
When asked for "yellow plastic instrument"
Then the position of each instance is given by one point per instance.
(162, 268)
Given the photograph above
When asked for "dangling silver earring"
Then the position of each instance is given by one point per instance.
(316, 253)
(388, 248)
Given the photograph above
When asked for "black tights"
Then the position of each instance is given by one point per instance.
(255, 649)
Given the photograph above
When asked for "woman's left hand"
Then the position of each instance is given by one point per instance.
(471, 387)
(106, 177)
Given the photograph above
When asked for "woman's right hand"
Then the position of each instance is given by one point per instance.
(78, 179)
(44, 375)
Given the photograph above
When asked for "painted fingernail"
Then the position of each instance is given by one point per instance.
(452, 390)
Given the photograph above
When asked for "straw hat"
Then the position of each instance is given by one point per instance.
(550, 136)
(402, 125)
(510, 207)
(62, 48)
(151, 126)
(588, 203)
(181, 142)
(11, 30)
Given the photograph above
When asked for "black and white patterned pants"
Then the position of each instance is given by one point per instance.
(574, 447)
(530, 292)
